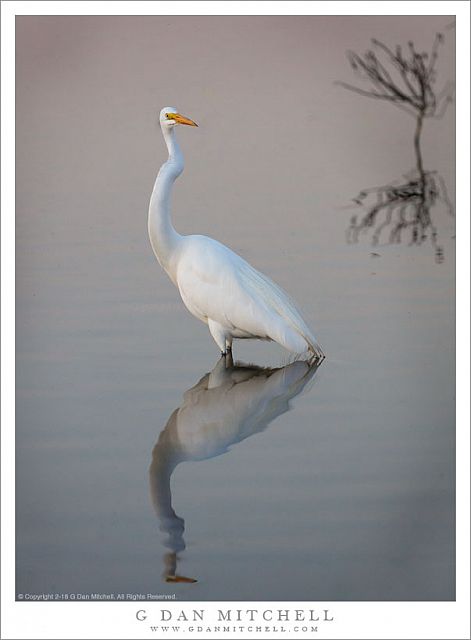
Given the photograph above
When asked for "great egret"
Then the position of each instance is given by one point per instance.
(218, 286)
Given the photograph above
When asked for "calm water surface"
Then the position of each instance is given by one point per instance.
(146, 465)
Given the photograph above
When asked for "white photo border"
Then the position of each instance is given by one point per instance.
(119, 620)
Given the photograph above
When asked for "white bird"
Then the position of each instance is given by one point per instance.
(216, 285)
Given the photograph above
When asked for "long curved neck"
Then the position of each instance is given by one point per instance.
(163, 237)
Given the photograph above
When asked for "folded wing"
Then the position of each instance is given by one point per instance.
(215, 283)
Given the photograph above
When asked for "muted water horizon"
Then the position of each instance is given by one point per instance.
(145, 464)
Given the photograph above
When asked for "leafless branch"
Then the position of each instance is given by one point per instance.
(414, 71)
(369, 94)
(405, 77)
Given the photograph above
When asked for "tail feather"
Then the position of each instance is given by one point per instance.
(316, 350)
(279, 301)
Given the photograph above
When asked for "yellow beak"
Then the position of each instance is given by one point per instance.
(181, 119)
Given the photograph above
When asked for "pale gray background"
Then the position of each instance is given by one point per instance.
(350, 496)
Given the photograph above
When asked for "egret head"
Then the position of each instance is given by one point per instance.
(169, 117)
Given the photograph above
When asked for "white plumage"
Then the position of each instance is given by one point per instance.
(218, 286)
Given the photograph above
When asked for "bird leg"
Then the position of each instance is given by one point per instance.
(228, 352)
(219, 335)
(225, 362)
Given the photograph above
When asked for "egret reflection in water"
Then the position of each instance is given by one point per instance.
(228, 405)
